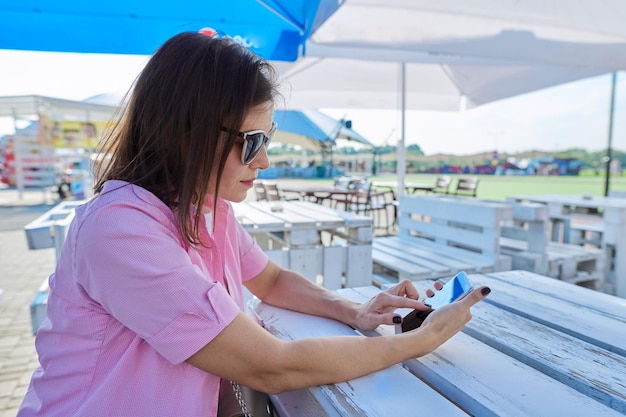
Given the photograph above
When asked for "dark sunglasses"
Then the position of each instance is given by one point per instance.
(252, 142)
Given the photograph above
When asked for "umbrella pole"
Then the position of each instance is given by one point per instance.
(607, 175)
(401, 162)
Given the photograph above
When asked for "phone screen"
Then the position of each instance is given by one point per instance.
(453, 290)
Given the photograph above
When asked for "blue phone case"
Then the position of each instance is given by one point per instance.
(455, 289)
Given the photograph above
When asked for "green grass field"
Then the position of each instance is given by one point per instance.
(493, 187)
(496, 187)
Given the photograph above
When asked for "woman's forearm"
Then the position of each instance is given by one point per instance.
(294, 292)
(319, 361)
(265, 363)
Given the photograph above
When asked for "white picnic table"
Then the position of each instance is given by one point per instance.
(312, 239)
(606, 216)
(535, 347)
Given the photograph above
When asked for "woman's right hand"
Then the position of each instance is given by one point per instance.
(446, 321)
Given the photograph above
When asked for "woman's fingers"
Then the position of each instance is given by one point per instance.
(404, 288)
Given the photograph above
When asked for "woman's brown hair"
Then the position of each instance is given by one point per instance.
(169, 136)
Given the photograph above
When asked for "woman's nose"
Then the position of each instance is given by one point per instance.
(262, 161)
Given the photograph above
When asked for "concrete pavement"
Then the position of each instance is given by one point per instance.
(21, 273)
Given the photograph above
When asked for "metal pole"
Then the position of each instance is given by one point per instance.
(607, 175)
(401, 152)
(17, 152)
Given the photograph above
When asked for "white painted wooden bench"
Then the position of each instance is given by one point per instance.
(526, 240)
(440, 236)
(610, 215)
(535, 347)
(47, 231)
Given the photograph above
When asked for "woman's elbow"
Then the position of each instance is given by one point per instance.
(272, 382)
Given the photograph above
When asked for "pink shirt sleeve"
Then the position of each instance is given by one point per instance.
(253, 259)
(140, 273)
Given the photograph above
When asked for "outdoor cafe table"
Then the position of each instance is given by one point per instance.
(608, 215)
(536, 346)
(312, 239)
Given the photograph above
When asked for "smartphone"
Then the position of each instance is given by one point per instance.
(455, 289)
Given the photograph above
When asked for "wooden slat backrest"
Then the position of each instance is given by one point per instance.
(470, 224)
(467, 187)
(443, 185)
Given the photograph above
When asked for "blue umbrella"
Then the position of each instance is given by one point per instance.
(275, 29)
(311, 128)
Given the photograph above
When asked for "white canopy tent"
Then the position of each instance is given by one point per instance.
(420, 54)
(30, 149)
(33, 105)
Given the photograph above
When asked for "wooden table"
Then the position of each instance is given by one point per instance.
(312, 239)
(607, 217)
(535, 347)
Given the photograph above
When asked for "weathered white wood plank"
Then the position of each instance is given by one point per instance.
(406, 267)
(593, 300)
(427, 251)
(391, 392)
(252, 218)
(431, 259)
(307, 262)
(303, 403)
(279, 256)
(303, 237)
(482, 213)
(334, 264)
(595, 372)
(359, 265)
(415, 258)
(580, 318)
(488, 382)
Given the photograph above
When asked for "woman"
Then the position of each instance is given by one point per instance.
(145, 308)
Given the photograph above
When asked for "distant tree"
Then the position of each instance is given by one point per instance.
(414, 149)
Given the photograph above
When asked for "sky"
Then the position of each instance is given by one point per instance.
(558, 118)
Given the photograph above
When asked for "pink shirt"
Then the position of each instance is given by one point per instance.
(130, 302)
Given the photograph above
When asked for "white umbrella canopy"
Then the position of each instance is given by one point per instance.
(539, 30)
(484, 50)
(420, 54)
(314, 82)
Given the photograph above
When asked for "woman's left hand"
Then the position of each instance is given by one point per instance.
(381, 308)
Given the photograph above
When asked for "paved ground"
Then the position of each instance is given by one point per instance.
(21, 273)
